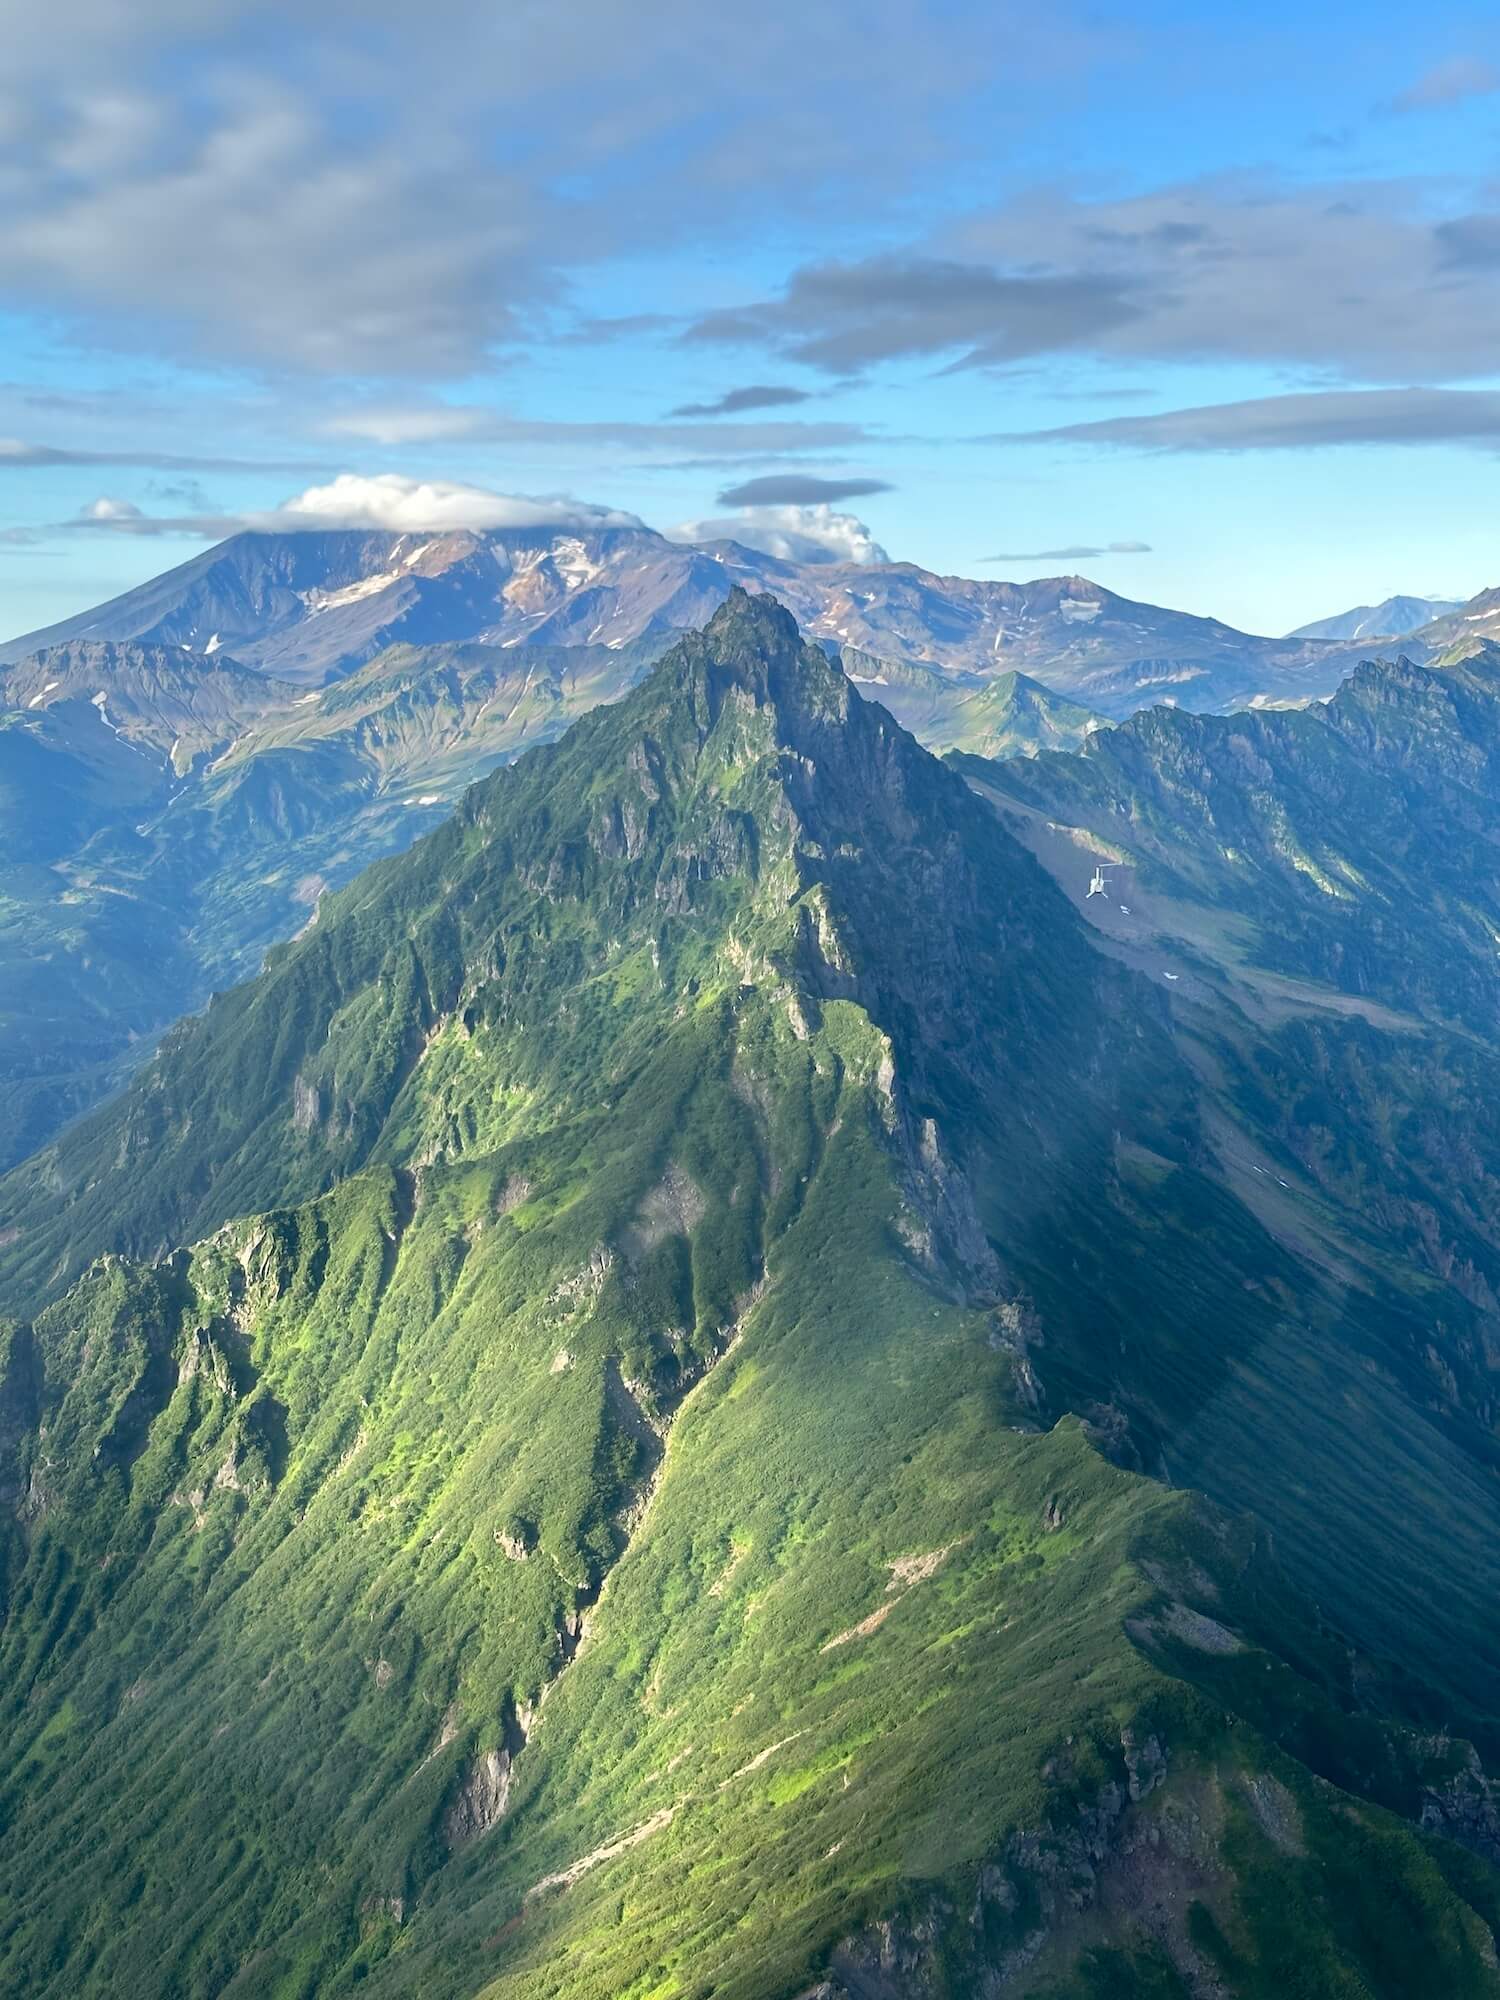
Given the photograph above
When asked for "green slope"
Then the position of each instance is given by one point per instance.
(1315, 895)
(155, 848)
(1004, 715)
(95, 739)
(599, 1512)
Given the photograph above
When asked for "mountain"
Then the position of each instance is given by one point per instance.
(1393, 618)
(688, 1394)
(170, 812)
(308, 607)
(95, 740)
(1479, 619)
(169, 817)
(89, 731)
(1080, 640)
(1005, 715)
(1317, 892)
(1349, 843)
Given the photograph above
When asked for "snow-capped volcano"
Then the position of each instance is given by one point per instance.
(313, 605)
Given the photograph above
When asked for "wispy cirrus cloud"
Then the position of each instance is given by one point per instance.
(1449, 83)
(19, 454)
(799, 489)
(436, 422)
(1076, 552)
(1302, 421)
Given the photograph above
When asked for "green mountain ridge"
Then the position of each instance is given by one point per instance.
(1002, 715)
(655, 1477)
(170, 818)
(1316, 892)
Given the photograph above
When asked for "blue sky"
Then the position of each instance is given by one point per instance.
(1200, 309)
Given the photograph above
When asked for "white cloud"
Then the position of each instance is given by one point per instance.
(389, 501)
(814, 534)
(433, 422)
(1388, 281)
(106, 509)
(382, 502)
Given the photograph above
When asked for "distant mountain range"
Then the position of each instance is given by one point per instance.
(1471, 623)
(166, 817)
(1392, 619)
(185, 771)
(309, 608)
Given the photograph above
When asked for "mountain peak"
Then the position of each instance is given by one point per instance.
(744, 799)
(752, 644)
(710, 1207)
(753, 616)
(754, 608)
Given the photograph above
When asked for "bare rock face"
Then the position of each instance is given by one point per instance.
(20, 1389)
(1466, 1807)
(307, 1106)
(480, 1799)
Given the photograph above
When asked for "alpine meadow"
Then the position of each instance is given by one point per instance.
(733, 1268)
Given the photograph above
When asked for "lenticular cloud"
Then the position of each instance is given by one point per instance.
(387, 500)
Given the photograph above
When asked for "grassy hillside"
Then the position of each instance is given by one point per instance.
(657, 1475)
(1000, 715)
(167, 818)
(158, 845)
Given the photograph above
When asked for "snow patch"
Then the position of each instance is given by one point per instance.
(101, 703)
(37, 699)
(1079, 610)
(213, 646)
(335, 600)
(573, 562)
